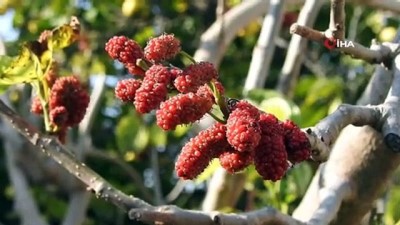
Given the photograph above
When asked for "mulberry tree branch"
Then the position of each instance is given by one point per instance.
(52, 148)
(138, 209)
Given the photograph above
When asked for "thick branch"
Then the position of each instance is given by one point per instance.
(323, 135)
(172, 215)
(391, 123)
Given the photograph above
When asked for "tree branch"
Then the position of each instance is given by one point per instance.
(295, 54)
(337, 18)
(265, 48)
(66, 159)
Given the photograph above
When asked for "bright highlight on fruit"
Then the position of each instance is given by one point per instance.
(242, 136)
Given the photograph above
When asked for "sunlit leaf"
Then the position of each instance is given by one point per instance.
(64, 35)
(23, 68)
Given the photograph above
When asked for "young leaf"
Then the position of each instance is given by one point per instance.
(20, 69)
(64, 35)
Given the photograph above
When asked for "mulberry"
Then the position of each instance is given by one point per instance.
(125, 50)
(125, 90)
(36, 106)
(206, 91)
(243, 131)
(195, 76)
(150, 95)
(270, 157)
(159, 74)
(69, 93)
(234, 161)
(198, 152)
(297, 145)
(163, 47)
(182, 109)
(59, 116)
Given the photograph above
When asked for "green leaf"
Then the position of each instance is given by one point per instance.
(64, 35)
(23, 68)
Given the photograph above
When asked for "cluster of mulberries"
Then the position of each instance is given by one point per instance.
(182, 96)
(67, 103)
(150, 91)
(248, 137)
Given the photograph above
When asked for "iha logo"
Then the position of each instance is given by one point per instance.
(331, 43)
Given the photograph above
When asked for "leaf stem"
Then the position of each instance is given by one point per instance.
(186, 55)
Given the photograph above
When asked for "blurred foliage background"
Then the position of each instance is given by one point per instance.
(327, 79)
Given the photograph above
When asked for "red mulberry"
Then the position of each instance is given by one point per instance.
(68, 92)
(59, 116)
(36, 106)
(126, 89)
(195, 76)
(243, 131)
(270, 157)
(125, 50)
(150, 95)
(296, 141)
(175, 72)
(206, 91)
(161, 48)
(198, 152)
(159, 74)
(182, 109)
(234, 161)
(134, 69)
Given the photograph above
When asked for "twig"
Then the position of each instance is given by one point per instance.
(65, 158)
(336, 23)
(264, 50)
(378, 53)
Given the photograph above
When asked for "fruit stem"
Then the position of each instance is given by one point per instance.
(185, 54)
(219, 99)
(142, 64)
(215, 117)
